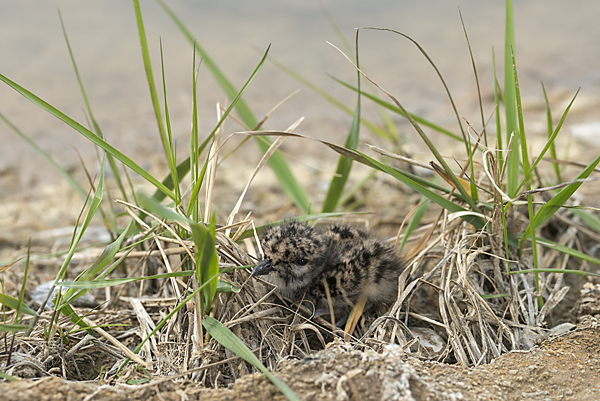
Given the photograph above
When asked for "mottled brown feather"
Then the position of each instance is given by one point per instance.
(297, 258)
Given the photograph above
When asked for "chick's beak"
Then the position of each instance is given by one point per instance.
(263, 268)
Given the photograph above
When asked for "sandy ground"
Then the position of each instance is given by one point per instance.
(564, 368)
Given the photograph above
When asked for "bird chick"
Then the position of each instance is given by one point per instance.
(299, 259)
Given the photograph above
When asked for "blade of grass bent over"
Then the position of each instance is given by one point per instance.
(338, 182)
(88, 134)
(226, 338)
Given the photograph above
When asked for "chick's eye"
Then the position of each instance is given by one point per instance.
(301, 261)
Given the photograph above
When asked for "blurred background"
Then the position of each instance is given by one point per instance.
(557, 43)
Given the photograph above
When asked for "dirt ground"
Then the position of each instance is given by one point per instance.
(563, 368)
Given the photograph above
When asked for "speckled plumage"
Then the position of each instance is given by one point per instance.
(354, 264)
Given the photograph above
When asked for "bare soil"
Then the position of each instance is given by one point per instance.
(562, 368)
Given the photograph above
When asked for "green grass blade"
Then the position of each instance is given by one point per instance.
(552, 136)
(205, 253)
(8, 377)
(497, 113)
(476, 76)
(440, 76)
(14, 304)
(568, 251)
(120, 281)
(207, 261)
(527, 179)
(242, 108)
(588, 219)
(67, 310)
(95, 124)
(420, 131)
(277, 162)
(553, 270)
(182, 169)
(99, 264)
(225, 287)
(11, 328)
(510, 105)
(150, 78)
(88, 134)
(226, 338)
(338, 182)
(166, 318)
(336, 102)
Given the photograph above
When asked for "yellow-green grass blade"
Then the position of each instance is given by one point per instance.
(16, 304)
(88, 134)
(226, 338)
(277, 162)
(11, 328)
(553, 270)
